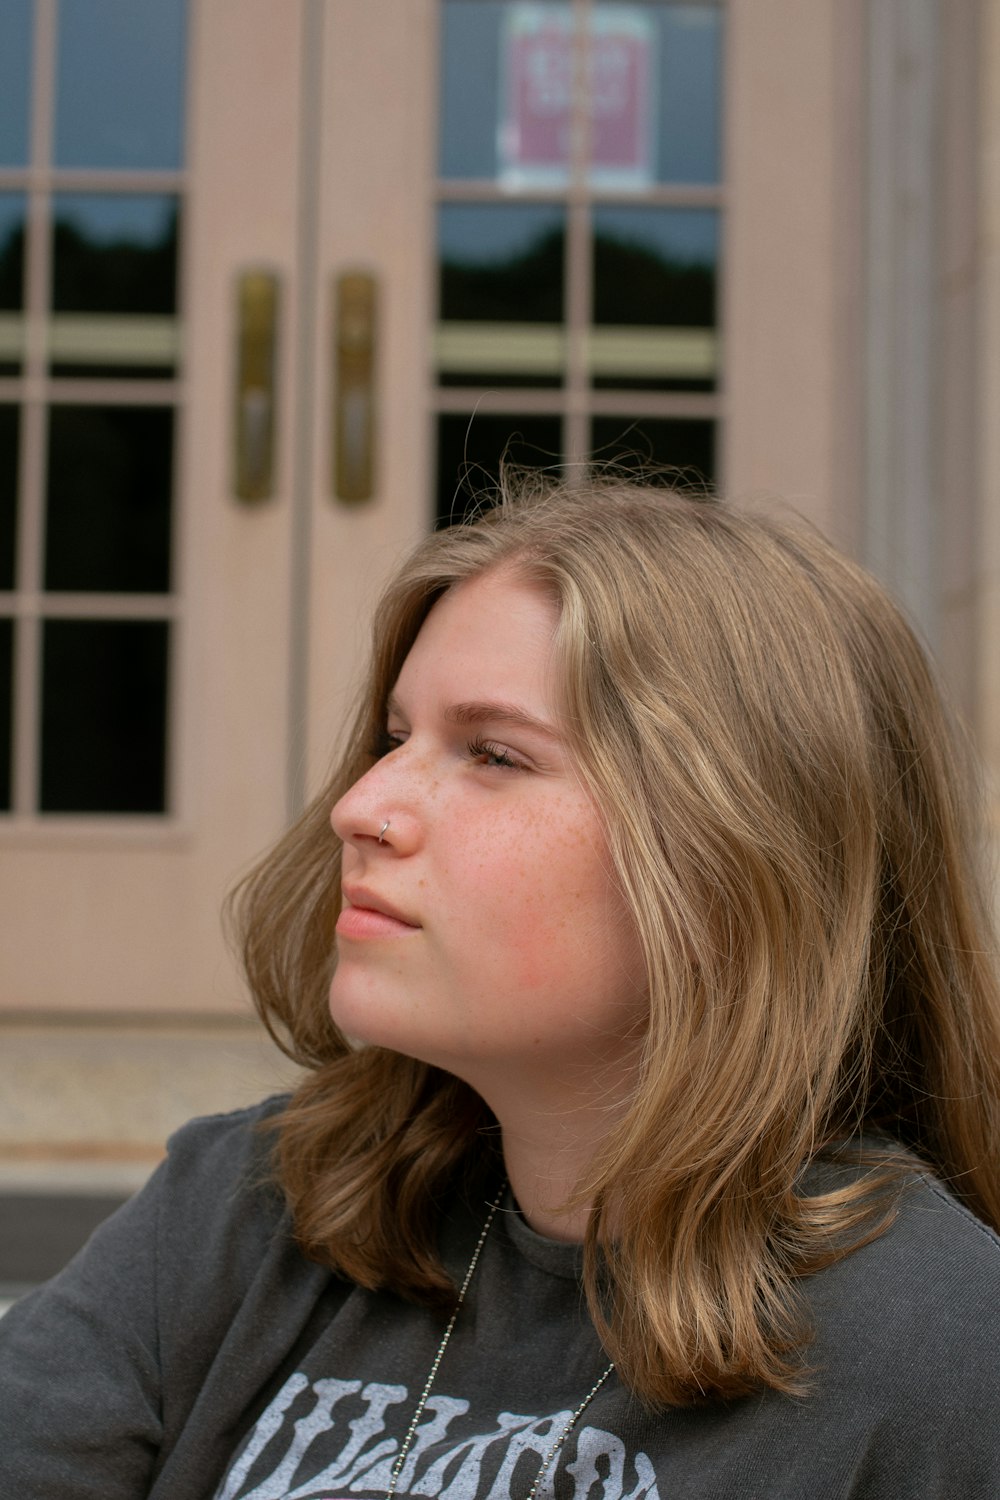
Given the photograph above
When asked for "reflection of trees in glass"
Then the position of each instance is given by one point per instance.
(12, 269)
(471, 448)
(118, 276)
(9, 435)
(524, 288)
(109, 488)
(652, 444)
(104, 716)
(634, 285)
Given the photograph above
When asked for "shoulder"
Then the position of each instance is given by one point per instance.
(904, 1364)
(924, 1295)
(933, 1246)
(939, 1235)
(938, 1257)
(196, 1284)
(217, 1194)
(232, 1148)
(902, 1373)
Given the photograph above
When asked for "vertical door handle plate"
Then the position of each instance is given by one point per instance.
(355, 418)
(257, 305)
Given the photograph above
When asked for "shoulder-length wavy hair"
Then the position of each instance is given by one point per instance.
(786, 809)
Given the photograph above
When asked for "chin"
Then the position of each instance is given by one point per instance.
(366, 1022)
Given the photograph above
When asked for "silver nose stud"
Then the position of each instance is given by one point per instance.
(381, 832)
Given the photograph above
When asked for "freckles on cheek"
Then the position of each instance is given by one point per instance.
(531, 955)
(510, 923)
(540, 940)
(523, 894)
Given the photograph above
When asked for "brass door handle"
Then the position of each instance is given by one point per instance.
(254, 418)
(355, 416)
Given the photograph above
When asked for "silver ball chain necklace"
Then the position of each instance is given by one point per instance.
(411, 1433)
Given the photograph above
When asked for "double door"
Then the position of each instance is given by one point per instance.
(306, 270)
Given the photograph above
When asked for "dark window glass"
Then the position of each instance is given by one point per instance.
(114, 284)
(684, 444)
(16, 24)
(9, 431)
(655, 275)
(120, 83)
(12, 226)
(471, 449)
(104, 714)
(501, 294)
(109, 485)
(6, 710)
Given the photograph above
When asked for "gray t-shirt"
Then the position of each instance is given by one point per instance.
(191, 1353)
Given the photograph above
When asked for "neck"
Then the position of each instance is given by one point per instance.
(553, 1125)
(543, 1173)
(550, 1140)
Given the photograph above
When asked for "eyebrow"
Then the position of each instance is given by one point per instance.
(471, 715)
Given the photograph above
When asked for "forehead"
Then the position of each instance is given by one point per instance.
(494, 630)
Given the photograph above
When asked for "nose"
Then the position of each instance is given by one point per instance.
(374, 813)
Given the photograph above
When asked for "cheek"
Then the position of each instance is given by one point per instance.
(542, 909)
(534, 956)
(508, 908)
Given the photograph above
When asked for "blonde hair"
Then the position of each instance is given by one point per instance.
(785, 805)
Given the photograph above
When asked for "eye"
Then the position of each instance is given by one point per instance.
(493, 755)
(385, 741)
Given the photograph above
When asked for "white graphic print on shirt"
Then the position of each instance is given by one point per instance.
(324, 1440)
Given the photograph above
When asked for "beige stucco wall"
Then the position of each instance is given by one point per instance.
(793, 282)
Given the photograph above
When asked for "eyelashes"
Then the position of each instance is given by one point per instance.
(486, 752)
(489, 754)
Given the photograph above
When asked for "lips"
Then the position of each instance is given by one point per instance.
(366, 914)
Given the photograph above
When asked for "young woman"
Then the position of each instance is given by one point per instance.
(649, 1139)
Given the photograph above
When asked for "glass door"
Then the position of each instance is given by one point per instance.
(480, 227)
(149, 163)
(537, 200)
(578, 225)
(90, 216)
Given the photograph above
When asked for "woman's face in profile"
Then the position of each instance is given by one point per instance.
(483, 932)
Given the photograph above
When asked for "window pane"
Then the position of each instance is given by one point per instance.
(501, 294)
(655, 275)
(109, 487)
(12, 227)
(114, 284)
(15, 71)
(6, 710)
(506, 89)
(653, 92)
(470, 450)
(9, 437)
(470, 74)
(104, 702)
(687, 445)
(622, 97)
(687, 46)
(120, 83)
